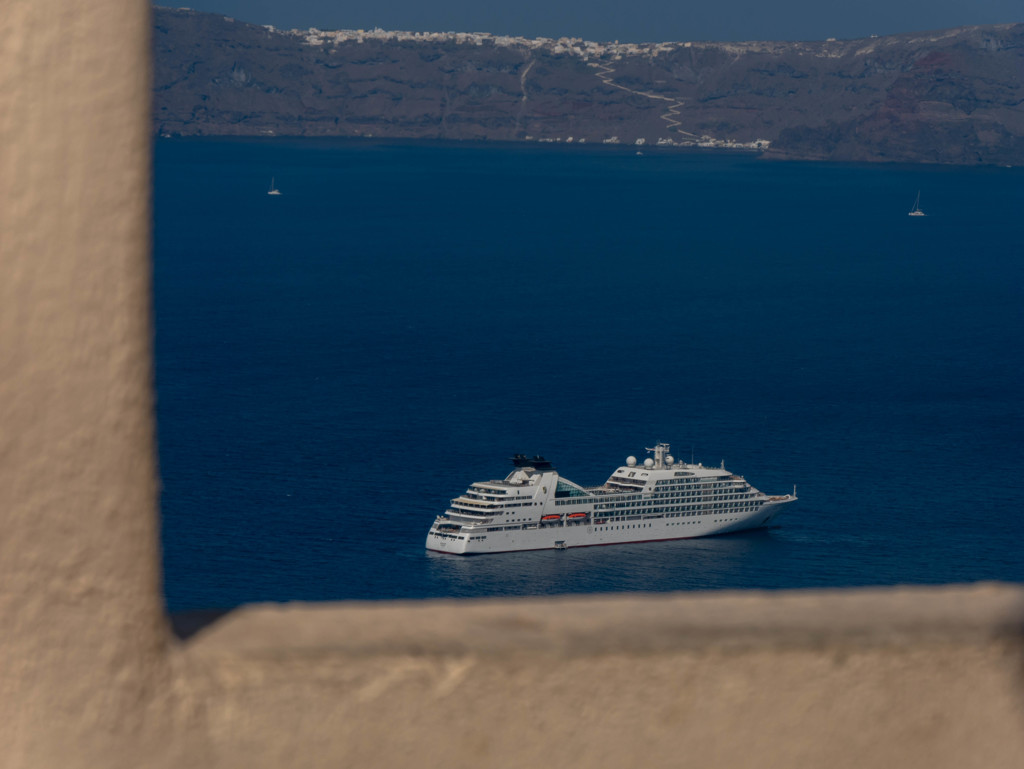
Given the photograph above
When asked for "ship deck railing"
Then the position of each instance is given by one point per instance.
(604, 489)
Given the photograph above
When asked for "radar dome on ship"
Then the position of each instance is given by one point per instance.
(670, 460)
(648, 462)
(631, 461)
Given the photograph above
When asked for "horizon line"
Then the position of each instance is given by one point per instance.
(945, 32)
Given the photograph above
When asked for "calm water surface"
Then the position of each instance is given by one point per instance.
(334, 364)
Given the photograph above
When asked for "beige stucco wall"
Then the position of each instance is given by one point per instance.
(90, 676)
(82, 635)
(911, 678)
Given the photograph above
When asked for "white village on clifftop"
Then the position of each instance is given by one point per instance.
(595, 54)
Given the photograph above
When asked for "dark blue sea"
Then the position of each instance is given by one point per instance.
(334, 364)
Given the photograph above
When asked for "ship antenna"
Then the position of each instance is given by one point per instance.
(660, 450)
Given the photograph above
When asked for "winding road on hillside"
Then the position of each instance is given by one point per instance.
(670, 116)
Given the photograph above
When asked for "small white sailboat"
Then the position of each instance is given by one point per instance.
(916, 210)
(273, 190)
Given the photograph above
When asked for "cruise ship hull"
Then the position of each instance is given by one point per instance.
(655, 528)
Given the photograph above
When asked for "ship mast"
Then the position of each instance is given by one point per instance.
(660, 452)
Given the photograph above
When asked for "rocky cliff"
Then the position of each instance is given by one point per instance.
(955, 96)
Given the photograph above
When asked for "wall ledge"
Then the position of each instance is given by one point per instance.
(624, 623)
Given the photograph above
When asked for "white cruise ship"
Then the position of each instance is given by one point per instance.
(536, 509)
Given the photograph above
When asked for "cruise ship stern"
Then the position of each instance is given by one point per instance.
(445, 537)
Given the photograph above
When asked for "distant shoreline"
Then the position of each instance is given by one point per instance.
(921, 98)
(532, 147)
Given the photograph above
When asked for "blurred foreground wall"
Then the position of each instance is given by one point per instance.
(90, 674)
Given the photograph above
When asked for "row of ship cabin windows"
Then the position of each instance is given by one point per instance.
(715, 503)
(718, 493)
(660, 495)
(691, 484)
(466, 500)
(493, 510)
(717, 509)
(678, 512)
(661, 501)
(478, 494)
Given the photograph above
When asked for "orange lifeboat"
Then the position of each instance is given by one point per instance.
(552, 517)
(577, 515)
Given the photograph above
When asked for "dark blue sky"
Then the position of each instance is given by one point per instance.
(628, 20)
